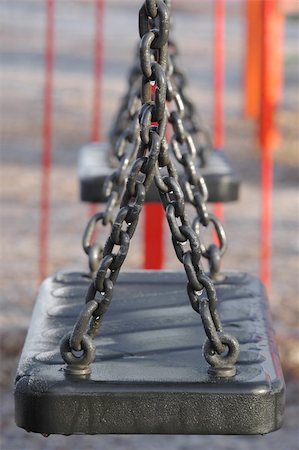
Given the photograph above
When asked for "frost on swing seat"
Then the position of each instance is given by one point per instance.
(93, 168)
(149, 375)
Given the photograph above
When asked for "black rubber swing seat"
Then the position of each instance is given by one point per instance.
(149, 375)
(221, 180)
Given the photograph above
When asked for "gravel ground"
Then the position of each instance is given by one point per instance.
(22, 26)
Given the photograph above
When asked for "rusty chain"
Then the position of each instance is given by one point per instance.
(152, 162)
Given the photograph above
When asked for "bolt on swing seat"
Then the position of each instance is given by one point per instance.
(149, 375)
(93, 168)
(152, 371)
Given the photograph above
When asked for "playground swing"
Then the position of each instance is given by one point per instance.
(97, 160)
(156, 369)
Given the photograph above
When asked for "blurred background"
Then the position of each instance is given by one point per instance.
(23, 25)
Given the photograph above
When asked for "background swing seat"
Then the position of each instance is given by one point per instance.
(149, 375)
(93, 168)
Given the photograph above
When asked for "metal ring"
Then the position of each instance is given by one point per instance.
(202, 187)
(105, 265)
(176, 190)
(192, 275)
(173, 225)
(222, 362)
(220, 234)
(159, 181)
(118, 222)
(88, 351)
(150, 165)
(180, 106)
(151, 7)
(212, 330)
(158, 75)
(214, 260)
(202, 211)
(89, 230)
(81, 325)
(110, 205)
(120, 256)
(146, 116)
(212, 299)
(192, 237)
(190, 145)
(164, 24)
(95, 255)
(145, 53)
(105, 302)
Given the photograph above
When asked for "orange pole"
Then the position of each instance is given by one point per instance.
(253, 59)
(271, 40)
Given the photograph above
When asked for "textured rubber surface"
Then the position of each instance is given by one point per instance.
(149, 375)
(222, 182)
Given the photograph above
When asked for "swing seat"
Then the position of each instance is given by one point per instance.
(93, 168)
(149, 375)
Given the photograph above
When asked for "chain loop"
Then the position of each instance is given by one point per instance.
(93, 250)
(163, 26)
(222, 365)
(143, 155)
(78, 364)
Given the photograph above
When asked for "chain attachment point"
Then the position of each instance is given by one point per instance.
(143, 154)
(78, 365)
(222, 366)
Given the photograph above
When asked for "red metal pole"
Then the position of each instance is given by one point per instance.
(96, 119)
(153, 232)
(46, 161)
(153, 236)
(219, 75)
(267, 129)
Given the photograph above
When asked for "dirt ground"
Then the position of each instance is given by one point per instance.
(22, 34)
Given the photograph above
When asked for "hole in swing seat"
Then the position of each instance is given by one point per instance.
(149, 375)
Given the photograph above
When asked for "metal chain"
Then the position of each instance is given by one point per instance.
(152, 161)
(141, 175)
(187, 125)
(200, 132)
(192, 183)
(130, 103)
(125, 143)
(193, 123)
(183, 233)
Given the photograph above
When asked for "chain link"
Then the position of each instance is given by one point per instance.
(127, 186)
(140, 178)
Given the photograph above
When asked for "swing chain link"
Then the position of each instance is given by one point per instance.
(126, 141)
(129, 107)
(194, 187)
(200, 133)
(139, 179)
(151, 161)
(188, 131)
